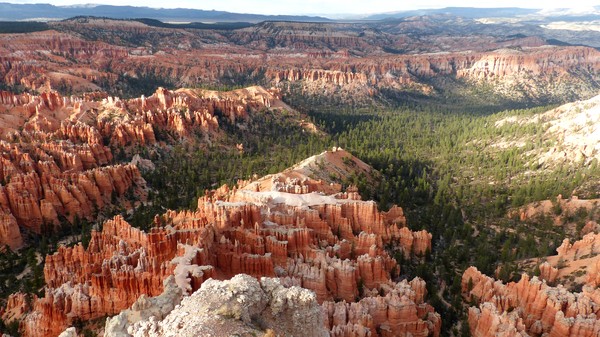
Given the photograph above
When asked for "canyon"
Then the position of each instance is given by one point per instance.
(58, 152)
(306, 232)
(74, 57)
(94, 131)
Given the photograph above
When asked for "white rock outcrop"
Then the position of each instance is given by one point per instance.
(69, 332)
(240, 306)
(145, 308)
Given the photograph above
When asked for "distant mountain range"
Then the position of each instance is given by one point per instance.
(46, 12)
(40, 12)
(467, 12)
(564, 14)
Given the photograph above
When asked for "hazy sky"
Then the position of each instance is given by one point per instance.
(324, 6)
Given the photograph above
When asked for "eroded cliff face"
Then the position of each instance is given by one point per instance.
(97, 120)
(316, 57)
(57, 157)
(532, 306)
(577, 263)
(42, 182)
(529, 307)
(330, 244)
(223, 308)
(401, 312)
(49, 171)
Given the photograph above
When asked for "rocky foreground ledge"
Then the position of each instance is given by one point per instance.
(242, 306)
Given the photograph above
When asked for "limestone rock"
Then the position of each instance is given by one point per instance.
(70, 332)
(144, 308)
(528, 307)
(241, 305)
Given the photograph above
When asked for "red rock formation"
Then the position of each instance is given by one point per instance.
(593, 275)
(547, 272)
(355, 63)
(58, 170)
(400, 312)
(40, 191)
(572, 205)
(303, 245)
(487, 321)
(56, 163)
(585, 246)
(9, 232)
(16, 306)
(126, 122)
(572, 258)
(120, 264)
(326, 76)
(535, 308)
(510, 63)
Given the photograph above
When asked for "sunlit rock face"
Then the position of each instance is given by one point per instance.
(332, 56)
(529, 307)
(57, 152)
(330, 244)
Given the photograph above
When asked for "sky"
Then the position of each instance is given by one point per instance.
(323, 6)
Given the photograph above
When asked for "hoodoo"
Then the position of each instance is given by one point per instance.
(327, 243)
